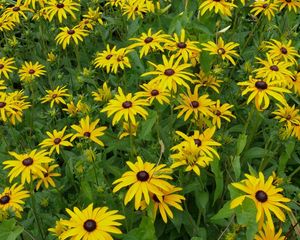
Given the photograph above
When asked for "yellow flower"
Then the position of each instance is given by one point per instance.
(102, 94)
(55, 96)
(170, 73)
(260, 91)
(208, 81)
(279, 50)
(220, 111)
(153, 91)
(33, 3)
(88, 130)
(12, 198)
(143, 179)
(67, 34)
(30, 71)
(149, 42)
(203, 142)
(8, 106)
(105, 59)
(182, 46)
(6, 66)
(61, 8)
(56, 139)
(268, 233)
(128, 130)
(265, 195)
(267, 7)
(163, 203)
(6, 23)
(120, 60)
(47, 177)
(94, 15)
(14, 12)
(192, 103)
(287, 114)
(225, 51)
(73, 109)
(2, 85)
(91, 223)
(134, 9)
(51, 57)
(27, 165)
(289, 4)
(220, 6)
(125, 106)
(58, 229)
(293, 82)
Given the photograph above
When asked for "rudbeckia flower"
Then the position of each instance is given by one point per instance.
(47, 180)
(67, 34)
(207, 81)
(6, 66)
(55, 96)
(154, 92)
(221, 111)
(266, 7)
(220, 6)
(30, 71)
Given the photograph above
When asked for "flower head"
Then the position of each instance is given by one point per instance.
(47, 180)
(221, 111)
(55, 96)
(220, 6)
(154, 92)
(6, 66)
(30, 71)
(267, 7)
(67, 34)
(268, 233)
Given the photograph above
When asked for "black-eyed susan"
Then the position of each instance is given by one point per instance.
(67, 34)
(225, 51)
(6, 66)
(182, 46)
(129, 129)
(134, 9)
(287, 114)
(8, 105)
(268, 233)
(55, 96)
(289, 4)
(47, 180)
(16, 11)
(91, 223)
(207, 81)
(266, 7)
(27, 165)
(190, 155)
(102, 94)
(61, 8)
(95, 15)
(51, 57)
(204, 141)
(149, 42)
(143, 179)
(153, 92)
(120, 60)
(221, 111)
(265, 195)
(261, 90)
(164, 202)
(273, 69)
(6, 23)
(58, 229)
(56, 140)
(293, 82)
(105, 59)
(279, 50)
(34, 3)
(192, 103)
(73, 109)
(88, 130)
(12, 198)
(126, 106)
(29, 71)
(170, 73)
(220, 6)
(2, 85)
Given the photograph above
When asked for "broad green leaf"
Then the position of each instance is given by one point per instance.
(9, 230)
(236, 164)
(215, 168)
(241, 143)
(201, 199)
(224, 212)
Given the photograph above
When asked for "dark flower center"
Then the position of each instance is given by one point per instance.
(283, 50)
(46, 174)
(217, 0)
(31, 71)
(127, 104)
(197, 142)
(221, 51)
(293, 78)
(265, 5)
(274, 68)
(288, 117)
(1, 66)
(5, 199)
(2, 104)
(154, 92)
(57, 140)
(90, 225)
(169, 72)
(108, 56)
(54, 95)
(71, 31)
(218, 113)
(194, 104)
(181, 45)
(87, 134)
(261, 85)
(60, 5)
(142, 176)
(155, 198)
(148, 40)
(16, 9)
(261, 196)
(288, 1)
(27, 161)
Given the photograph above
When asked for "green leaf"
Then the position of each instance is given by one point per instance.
(255, 152)
(201, 199)
(224, 212)
(145, 231)
(9, 230)
(206, 61)
(215, 168)
(86, 191)
(236, 164)
(241, 143)
(147, 126)
(285, 156)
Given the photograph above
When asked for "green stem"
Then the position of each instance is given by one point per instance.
(131, 141)
(294, 172)
(250, 115)
(95, 172)
(77, 57)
